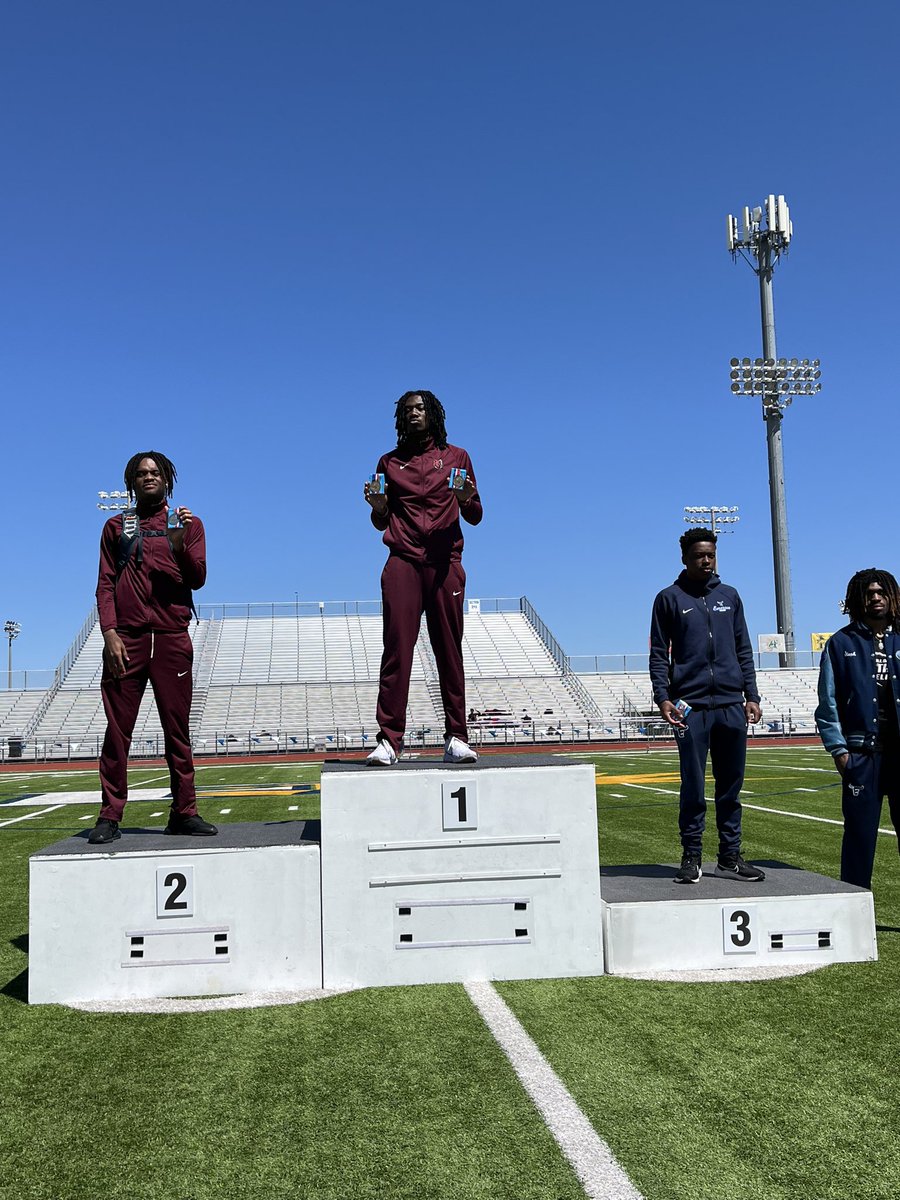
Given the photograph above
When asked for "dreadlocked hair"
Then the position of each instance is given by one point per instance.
(695, 535)
(854, 603)
(434, 411)
(166, 470)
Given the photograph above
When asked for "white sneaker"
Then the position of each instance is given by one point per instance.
(383, 755)
(456, 750)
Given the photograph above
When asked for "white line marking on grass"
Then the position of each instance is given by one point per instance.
(87, 817)
(28, 816)
(780, 812)
(645, 787)
(224, 812)
(152, 815)
(806, 790)
(589, 1156)
(293, 807)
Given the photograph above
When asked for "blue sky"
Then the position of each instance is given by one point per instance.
(238, 232)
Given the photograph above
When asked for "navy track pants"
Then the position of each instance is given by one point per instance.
(867, 779)
(720, 734)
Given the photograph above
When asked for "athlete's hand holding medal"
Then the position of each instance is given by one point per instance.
(177, 522)
(375, 493)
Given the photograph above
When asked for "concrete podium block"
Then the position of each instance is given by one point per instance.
(792, 918)
(151, 915)
(440, 873)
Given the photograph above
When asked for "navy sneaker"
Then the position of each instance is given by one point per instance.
(732, 866)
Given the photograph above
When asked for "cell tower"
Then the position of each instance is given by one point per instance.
(765, 234)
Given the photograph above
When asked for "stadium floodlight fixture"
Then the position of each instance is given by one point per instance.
(12, 629)
(121, 501)
(712, 517)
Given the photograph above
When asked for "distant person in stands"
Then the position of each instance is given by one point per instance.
(151, 558)
(701, 659)
(419, 512)
(859, 696)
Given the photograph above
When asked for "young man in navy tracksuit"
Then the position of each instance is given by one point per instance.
(700, 653)
(418, 513)
(857, 715)
(148, 568)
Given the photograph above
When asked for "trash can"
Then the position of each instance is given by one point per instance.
(15, 747)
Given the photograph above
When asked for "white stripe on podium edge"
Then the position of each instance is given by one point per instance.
(589, 1156)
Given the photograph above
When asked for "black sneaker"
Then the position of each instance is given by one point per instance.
(691, 870)
(732, 866)
(104, 831)
(190, 826)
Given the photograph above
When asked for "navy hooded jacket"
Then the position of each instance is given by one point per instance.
(711, 659)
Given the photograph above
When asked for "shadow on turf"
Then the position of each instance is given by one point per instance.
(17, 988)
(887, 929)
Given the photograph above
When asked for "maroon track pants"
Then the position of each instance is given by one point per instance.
(407, 590)
(166, 660)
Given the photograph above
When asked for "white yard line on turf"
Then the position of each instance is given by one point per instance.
(589, 1156)
(780, 812)
(645, 787)
(29, 816)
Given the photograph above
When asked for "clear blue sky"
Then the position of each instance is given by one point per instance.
(238, 232)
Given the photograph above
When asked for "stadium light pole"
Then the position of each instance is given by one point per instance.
(712, 518)
(12, 629)
(765, 234)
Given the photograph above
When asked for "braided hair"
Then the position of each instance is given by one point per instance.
(166, 470)
(434, 411)
(854, 603)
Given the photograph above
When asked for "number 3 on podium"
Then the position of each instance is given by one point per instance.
(739, 929)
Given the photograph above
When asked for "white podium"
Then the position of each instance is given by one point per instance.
(151, 915)
(435, 873)
(792, 918)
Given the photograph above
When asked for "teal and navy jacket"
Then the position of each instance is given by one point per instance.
(847, 714)
(700, 649)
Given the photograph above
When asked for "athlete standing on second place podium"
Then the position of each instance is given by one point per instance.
(427, 485)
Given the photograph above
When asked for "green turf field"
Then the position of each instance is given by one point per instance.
(782, 1089)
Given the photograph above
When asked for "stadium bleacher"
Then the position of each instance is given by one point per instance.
(268, 679)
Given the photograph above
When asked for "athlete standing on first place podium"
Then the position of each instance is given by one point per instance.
(418, 511)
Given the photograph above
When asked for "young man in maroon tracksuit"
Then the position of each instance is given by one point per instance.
(148, 568)
(419, 514)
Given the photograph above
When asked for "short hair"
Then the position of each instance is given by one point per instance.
(854, 603)
(695, 535)
(166, 470)
(434, 411)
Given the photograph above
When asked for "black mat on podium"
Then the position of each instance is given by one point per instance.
(240, 835)
(652, 883)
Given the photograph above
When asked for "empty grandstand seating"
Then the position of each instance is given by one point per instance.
(297, 680)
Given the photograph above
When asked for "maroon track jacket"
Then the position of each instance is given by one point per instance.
(156, 595)
(422, 520)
